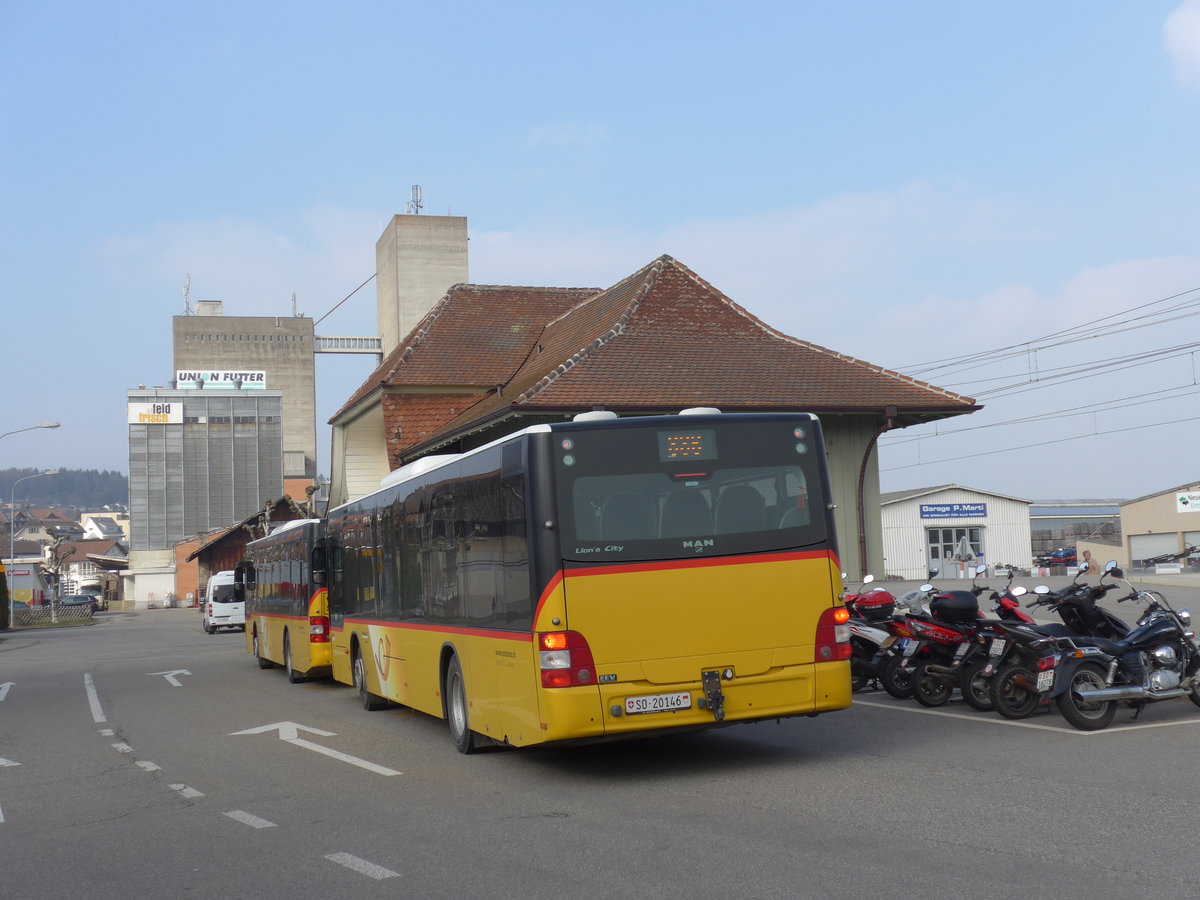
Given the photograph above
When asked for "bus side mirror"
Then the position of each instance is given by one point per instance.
(318, 566)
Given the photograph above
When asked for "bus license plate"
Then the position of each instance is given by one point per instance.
(657, 703)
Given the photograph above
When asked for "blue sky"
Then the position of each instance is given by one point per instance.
(902, 182)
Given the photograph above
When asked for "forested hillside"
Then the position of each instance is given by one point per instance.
(88, 489)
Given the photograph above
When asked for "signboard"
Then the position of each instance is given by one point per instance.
(156, 413)
(1187, 501)
(953, 510)
(214, 380)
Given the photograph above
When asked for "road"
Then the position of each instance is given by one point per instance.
(144, 758)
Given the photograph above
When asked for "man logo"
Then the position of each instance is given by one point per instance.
(699, 545)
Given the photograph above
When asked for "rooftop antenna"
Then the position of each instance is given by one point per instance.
(187, 295)
(294, 313)
(413, 206)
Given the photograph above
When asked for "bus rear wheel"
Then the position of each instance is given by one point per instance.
(370, 702)
(456, 709)
(262, 663)
(292, 675)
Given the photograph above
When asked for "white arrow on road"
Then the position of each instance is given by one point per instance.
(4, 689)
(7, 762)
(170, 676)
(290, 732)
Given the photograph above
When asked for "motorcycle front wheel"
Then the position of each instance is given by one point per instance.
(1086, 715)
(895, 680)
(976, 689)
(929, 689)
(1011, 692)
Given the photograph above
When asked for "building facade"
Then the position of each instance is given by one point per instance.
(273, 353)
(952, 528)
(200, 460)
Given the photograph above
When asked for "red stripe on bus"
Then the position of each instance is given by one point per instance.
(522, 636)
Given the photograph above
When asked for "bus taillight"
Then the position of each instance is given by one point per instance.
(833, 635)
(318, 629)
(565, 659)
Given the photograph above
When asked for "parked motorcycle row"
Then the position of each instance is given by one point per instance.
(929, 643)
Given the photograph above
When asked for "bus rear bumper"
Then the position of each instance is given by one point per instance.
(603, 711)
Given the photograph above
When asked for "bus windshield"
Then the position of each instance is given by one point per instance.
(652, 493)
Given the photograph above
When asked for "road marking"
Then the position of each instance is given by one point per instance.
(1, 816)
(148, 766)
(170, 676)
(246, 819)
(185, 791)
(122, 747)
(1065, 728)
(361, 866)
(7, 762)
(289, 732)
(107, 732)
(4, 689)
(93, 699)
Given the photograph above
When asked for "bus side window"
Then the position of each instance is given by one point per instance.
(318, 565)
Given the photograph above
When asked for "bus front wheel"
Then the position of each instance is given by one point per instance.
(456, 709)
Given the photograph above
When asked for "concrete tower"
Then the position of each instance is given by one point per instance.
(417, 259)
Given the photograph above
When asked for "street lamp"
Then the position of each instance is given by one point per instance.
(12, 520)
(31, 428)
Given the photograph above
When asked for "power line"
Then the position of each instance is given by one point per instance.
(343, 300)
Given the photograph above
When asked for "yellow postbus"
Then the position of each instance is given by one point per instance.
(597, 578)
(287, 617)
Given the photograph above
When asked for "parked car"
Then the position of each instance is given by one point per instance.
(1064, 556)
(81, 600)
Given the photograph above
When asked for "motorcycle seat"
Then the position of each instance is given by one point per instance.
(1112, 648)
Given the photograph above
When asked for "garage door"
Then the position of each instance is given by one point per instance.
(1144, 546)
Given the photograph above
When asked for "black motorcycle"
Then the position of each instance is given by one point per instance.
(1157, 660)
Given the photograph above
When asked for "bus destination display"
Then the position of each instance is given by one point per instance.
(682, 446)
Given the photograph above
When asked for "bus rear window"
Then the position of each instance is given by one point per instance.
(646, 494)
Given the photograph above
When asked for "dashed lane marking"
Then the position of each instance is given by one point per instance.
(93, 699)
(185, 791)
(361, 866)
(246, 818)
(148, 766)
(122, 747)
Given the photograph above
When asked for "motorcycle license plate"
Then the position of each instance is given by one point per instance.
(910, 647)
(1045, 680)
(997, 648)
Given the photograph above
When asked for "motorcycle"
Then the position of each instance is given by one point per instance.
(870, 612)
(892, 677)
(953, 647)
(1025, 653)
(1157, 660)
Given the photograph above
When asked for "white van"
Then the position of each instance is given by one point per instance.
(223, 607)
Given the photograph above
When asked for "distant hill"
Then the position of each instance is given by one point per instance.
(88, 489)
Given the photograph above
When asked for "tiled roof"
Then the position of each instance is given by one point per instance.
(475, 336)
(663, 338)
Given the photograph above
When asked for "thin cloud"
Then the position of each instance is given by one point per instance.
(1181, 33)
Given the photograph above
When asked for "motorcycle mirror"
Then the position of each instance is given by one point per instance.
(1041, 589)
(1116, 573)
(1018, 591)
(980, 569)
(868, 579)
(1083, 567)
(1110, 565)
(926, 588)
